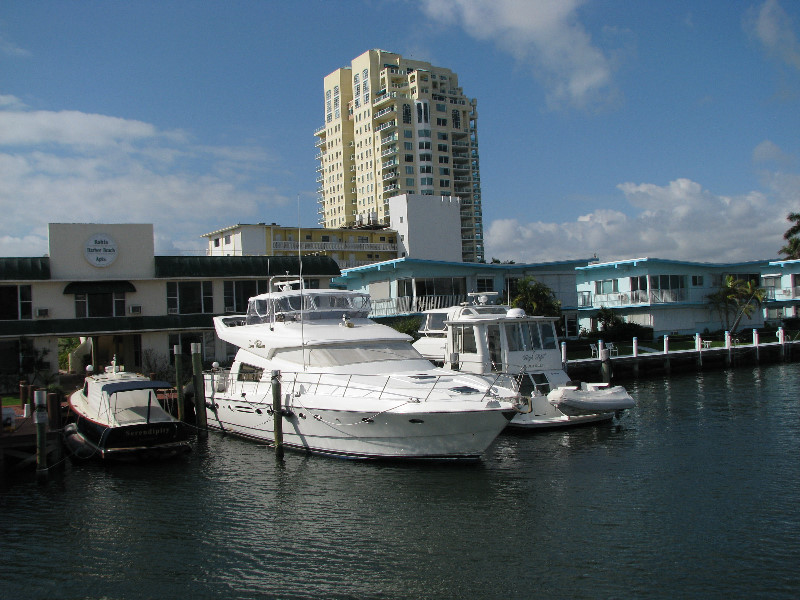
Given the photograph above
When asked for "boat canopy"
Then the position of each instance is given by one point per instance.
(309, 305)
(113, 387)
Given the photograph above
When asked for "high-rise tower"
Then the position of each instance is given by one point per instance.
(397, 126)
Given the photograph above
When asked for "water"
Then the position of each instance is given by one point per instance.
(694, 494)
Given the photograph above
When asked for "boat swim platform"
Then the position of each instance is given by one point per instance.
(659, 363)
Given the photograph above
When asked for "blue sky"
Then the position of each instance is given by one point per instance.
(624, 129)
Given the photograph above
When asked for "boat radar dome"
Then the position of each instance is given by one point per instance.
(515, 313)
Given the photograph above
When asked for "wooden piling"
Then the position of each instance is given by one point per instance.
(176, 351)
(54, 420)
(277, 413)
(40, 419)
(667, 364)
(199, 392)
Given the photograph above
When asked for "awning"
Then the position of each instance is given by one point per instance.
(98, 287)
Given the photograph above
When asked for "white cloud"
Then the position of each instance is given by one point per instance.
(545, 34)
(11, 49)
(679, 221)
(769, 152)
(772, 27)
(70, 166)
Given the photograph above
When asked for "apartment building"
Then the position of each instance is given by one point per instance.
(103, 283)
(351, 247)
(670, 296)
(398, 126)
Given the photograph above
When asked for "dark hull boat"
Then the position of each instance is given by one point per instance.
(117, 416)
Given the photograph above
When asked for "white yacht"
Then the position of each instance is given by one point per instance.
(349, 387)
(482, 338)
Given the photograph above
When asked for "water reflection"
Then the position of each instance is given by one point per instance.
(693, 493)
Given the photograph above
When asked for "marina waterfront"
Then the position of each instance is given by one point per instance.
(694, 493)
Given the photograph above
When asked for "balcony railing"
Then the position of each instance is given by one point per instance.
(335, 246)
(389, 307)
(386, 125)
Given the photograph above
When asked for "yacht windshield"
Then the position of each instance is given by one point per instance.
(349, 354)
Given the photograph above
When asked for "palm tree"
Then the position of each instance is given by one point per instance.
(736, 298)
(535, 298)
(792, 237)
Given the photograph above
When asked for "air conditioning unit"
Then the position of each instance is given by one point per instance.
(135, 309)
(42, 312)
(172, 311)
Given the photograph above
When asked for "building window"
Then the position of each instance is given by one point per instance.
(424, 133)
(409, 170)
(441, 107)
(442, 135)
(485, 284)
(15, 302)
(408, 134)
(227, 239)
(444, 160)
(426, 181)
(216, 242)
(442, 147)
(444, 183)
(103, 304)
(408, 158)
(444, 170)
(424, 145)
(236, 294)
(406, 113)
(606, 286)
(456, 119)
(426, 169)
(425, 157)
(441, 122)
(189, 297)
(697, 280)
(409, 181)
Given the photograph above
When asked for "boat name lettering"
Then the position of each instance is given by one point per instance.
(536, 358)
(146, 432)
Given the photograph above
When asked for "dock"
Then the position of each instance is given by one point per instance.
(25, 443)
(664, 362)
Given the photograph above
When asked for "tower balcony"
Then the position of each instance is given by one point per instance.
(385, 113)
(387, 125)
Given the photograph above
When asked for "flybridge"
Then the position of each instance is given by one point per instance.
(310, 305)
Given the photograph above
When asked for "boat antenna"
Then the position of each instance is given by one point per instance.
(302, 299)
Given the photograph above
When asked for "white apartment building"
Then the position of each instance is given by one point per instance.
(398, 126)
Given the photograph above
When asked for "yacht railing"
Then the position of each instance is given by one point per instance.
(406, 388)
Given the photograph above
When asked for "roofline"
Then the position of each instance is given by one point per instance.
(397, 261)
(645, 259)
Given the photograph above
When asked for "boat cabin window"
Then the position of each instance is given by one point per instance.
(522, 337)
(249, 372)
(548, 336)
(347, 354)
(464, 339)
(435, 321)
(495, 347)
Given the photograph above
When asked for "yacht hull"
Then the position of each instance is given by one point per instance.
(418, 435)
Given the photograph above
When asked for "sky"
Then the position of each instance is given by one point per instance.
(665, 129)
